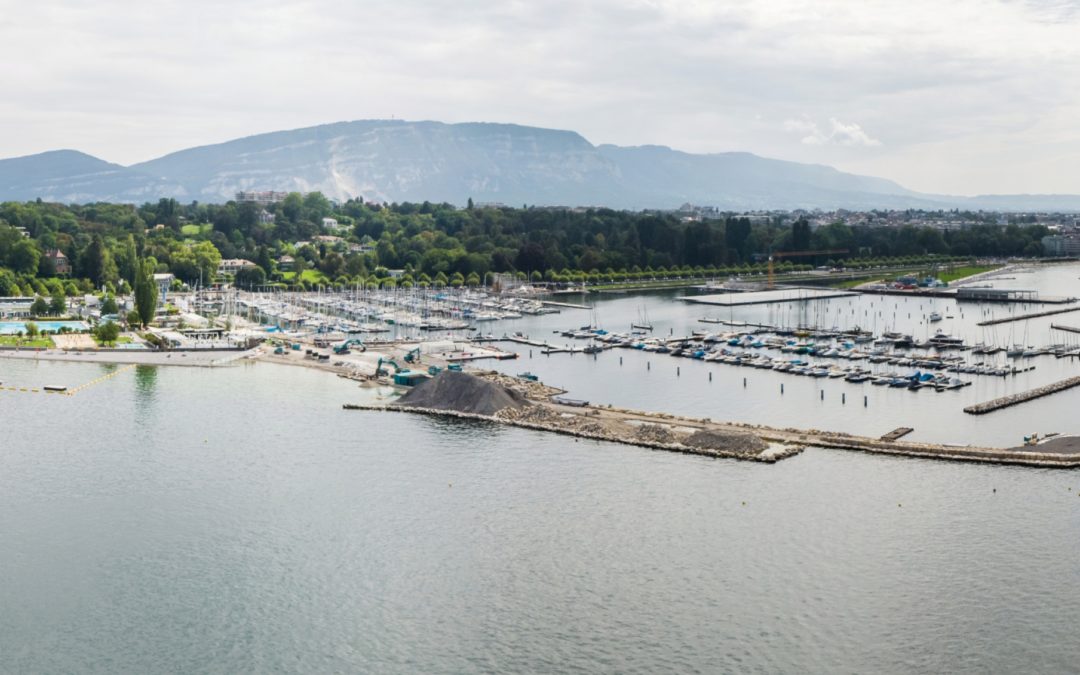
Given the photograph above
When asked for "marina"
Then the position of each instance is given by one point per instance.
(853, 363)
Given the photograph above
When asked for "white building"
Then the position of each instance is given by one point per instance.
(234, 265)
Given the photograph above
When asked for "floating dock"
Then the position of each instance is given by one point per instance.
(897, 433)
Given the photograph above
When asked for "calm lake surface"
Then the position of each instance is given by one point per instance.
(238, 520)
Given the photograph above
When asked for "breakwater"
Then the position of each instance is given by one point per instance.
(1024, 317)
(1022, 397)
(787, 442)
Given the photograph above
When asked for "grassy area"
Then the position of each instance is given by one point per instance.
(646, 285)
(193, 230)
(309, 277)
(15, 341)
(122, 340)
(965, 271)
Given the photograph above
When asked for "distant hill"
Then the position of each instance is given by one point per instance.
(70, 176)
(394, 160)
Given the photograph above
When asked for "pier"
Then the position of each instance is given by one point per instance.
(1022, 397)
(1024, 317)
(567, 305)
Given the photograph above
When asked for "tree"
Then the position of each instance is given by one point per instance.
(250, 277)
(58, 303)
(800, 235)
(146, 293)
(133, 319)
(31, 330)
(109, 306)
(40, 307)
(107, 332)
(264, 260)
(96, 263)
(24, 257)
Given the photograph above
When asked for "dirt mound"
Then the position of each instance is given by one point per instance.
(654, 433)
(711, 439)
(462, 392)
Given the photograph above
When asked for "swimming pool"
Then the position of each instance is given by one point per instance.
(14, 327)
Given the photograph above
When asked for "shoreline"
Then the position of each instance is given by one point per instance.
(210, 358)
(783, 442)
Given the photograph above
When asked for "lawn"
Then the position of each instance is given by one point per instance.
(122, 340)
(965, 271)
(16, 341)
(193, 230)
(309, 277)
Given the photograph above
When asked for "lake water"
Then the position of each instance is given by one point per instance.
(238, 520)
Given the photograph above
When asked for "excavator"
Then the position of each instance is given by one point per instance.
(413, 356)
(381, 372)
(343, 347)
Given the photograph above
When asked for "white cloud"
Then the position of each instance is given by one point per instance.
(840, 133)
(957, 81)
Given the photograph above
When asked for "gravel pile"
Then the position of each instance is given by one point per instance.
(462, 392)
(655, 433)
(710, 439)
(544, 416)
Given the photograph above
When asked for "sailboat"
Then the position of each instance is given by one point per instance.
(642, 322)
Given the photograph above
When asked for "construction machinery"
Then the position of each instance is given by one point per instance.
(381, 372)
(797, 254)
(343, 347)
(413, 356)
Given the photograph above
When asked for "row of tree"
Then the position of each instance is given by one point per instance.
(108, 244)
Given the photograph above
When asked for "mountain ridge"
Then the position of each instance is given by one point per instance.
(400, 160)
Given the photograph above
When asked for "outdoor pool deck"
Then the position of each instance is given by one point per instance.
(15, 327)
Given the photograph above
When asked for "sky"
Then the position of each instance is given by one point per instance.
(955, 97)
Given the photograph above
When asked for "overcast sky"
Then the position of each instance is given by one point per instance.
(948, 96)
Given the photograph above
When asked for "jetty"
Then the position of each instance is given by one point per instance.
(507, 404)
(567, 305)
(1022, 397)
(1024, 317)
